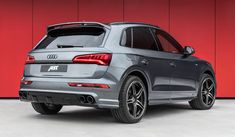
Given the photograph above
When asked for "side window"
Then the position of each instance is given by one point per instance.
(167, 43)
(126, 38)
(143, 39)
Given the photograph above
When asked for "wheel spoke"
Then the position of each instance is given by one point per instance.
(206, 99)
(130, 101)
(210, 96)
(210, 87)
(133, 89)
(204, 92)
(138, 95)
(207, 84)
(140, 104)
(134, 110)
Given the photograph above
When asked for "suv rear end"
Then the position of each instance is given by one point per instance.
(70, 67)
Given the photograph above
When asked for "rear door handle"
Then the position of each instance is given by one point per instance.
(145, 61)
(172, 64)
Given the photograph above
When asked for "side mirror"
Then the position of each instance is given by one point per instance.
(188, 50)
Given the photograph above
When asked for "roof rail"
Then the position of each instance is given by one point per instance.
(60, 25)
(140, 23)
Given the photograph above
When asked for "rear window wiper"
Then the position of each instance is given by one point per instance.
(69, 46)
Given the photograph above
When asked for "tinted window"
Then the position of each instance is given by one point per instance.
(167, 43)
(71, 38)
(143, 39)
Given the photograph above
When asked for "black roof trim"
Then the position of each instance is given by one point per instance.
(136, 23)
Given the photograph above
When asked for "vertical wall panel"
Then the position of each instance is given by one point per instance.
(225, 47)
(147, 11)
(47, 12)
(204, 24)
(192, 22)
(16, 41)
(101, 10)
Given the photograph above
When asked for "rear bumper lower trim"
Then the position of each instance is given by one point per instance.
(65, 98)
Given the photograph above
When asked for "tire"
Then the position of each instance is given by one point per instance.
(206, 93)
(132, 101)
(46, 109)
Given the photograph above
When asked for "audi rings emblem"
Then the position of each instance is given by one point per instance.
(52, 56)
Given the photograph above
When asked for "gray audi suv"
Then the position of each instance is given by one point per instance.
(121, 66)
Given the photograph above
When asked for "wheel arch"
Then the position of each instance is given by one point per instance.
(142, 77)
(136, 71)
(209, 72)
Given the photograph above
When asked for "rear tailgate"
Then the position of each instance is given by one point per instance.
(53, 56)
(58, 63)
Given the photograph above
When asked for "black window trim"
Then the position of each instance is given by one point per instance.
(156, 42)
(120, 40)
(132, 38)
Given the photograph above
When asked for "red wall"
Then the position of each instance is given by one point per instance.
(207, 25)
(15, 42)
(47, 12)
(100, 10)
(225, 47)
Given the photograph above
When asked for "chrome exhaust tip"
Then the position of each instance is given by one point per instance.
(82, 99)
(90, 99)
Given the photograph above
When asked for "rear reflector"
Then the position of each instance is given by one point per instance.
(25, 82)
(30, 59)
(91, 85)
(99, 59)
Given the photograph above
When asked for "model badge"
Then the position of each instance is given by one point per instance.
(53, 68)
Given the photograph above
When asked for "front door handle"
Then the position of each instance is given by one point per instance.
(172, 64)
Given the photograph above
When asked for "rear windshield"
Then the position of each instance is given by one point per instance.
(73, 38)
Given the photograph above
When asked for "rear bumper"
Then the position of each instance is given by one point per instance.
(67, 98)
(57, 91)
(56, 98)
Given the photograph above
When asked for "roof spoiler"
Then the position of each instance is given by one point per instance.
(75, 24)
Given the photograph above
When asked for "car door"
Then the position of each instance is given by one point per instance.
(183, 68)
(155, 64)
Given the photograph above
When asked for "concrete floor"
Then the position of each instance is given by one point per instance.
(18, 119)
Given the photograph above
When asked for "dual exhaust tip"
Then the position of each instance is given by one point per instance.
(87, 99)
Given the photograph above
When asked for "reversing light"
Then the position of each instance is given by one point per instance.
(91, 85)
(99, 59)
(30, 59)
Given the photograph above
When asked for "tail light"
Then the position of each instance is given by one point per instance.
(30, 59)
(91, 85)
(99, 59)
(25, 82)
